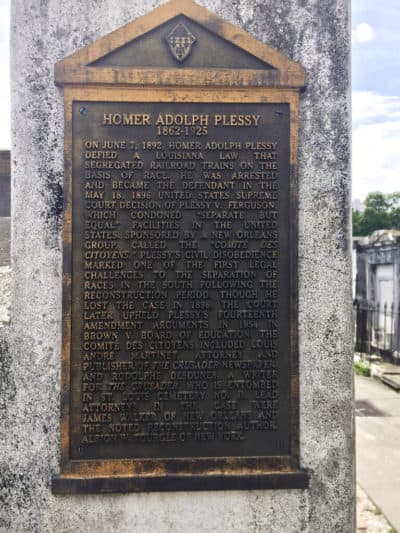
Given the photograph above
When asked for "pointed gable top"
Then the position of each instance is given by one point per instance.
(179, 43)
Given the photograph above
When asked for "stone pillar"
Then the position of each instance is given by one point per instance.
(317, 35)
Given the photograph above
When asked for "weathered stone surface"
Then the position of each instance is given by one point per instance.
(310, 31)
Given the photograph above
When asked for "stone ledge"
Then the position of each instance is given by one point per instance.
(387, 373)
(287, 480)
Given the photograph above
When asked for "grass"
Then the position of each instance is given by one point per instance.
(362, 369)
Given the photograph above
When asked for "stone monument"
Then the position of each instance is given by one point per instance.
(206, 333)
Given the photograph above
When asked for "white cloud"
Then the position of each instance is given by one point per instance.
(376, 143)
(363, 33)
(5, 142)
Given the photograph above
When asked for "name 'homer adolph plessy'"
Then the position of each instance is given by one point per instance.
(190, 119)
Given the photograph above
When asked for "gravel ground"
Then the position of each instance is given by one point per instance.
(369, 518)
(5, 270)
(5, 278)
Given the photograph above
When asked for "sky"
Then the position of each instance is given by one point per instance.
(376, 96)
(5, 141)
(376, 93)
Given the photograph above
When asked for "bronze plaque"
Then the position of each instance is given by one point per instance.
(180, 292)
(180, 357)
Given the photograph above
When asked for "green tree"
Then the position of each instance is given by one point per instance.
(382, 211)
(377, 201)
(394, 201)
(376, 214)
(357, 222)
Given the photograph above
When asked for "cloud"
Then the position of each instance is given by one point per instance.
(376, 141)
(5, 136)
(363, 33)
(4, 75)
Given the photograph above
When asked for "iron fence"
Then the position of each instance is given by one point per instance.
(377, 329)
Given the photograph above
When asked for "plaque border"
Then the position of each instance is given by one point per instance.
(121, 475)
(179, 85)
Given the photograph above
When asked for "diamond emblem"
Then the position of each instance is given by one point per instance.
(180, 41)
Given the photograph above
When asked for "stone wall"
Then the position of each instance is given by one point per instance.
(315, 33)
(377, 298)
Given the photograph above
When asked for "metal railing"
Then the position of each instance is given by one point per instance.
(377, 329)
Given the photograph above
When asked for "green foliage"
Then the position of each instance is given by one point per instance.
(362, 369)
(357, 223)
(382, 211)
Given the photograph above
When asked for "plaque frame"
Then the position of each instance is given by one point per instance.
(83, 82)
